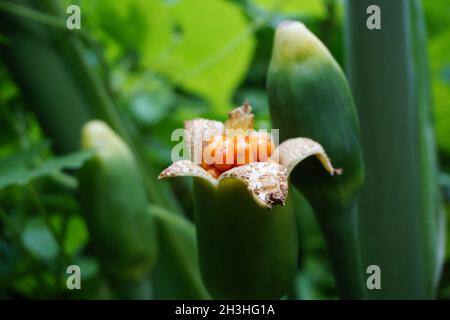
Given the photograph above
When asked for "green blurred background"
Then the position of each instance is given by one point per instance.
(162, 62)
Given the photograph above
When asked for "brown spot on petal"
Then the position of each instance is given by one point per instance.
(266, 182)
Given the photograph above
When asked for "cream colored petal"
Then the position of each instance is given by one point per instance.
(293, 151)
(198, 133)
(266, 182)
(240, 118)
(186, 168)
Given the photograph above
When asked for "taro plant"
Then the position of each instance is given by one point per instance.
(139, 68)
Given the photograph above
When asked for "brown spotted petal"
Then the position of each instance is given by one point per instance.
(292, 151)
(198, 133)
(186, 168)
(266, 181)
(240, 118)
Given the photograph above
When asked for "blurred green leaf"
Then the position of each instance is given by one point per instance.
(439, 47)
(8, 89)
(38, 239)
(204, 47)
(313, 8)
(148, 109)
(16, 169)
(438, 15)
(149, 99)
(207, 53)
(25, 284)
(89, 267)
(75, 232)
(6, 129)
(124, 23)
(4, 39)
(76, 235)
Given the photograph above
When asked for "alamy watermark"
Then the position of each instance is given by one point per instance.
(74, 279)
(73, 18)
(373, 22)
(373, 281)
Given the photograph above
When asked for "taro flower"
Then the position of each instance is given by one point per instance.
(245, 250)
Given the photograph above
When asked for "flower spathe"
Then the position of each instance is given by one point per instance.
(267, 182)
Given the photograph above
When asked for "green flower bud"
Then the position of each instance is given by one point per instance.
(114, 201)
(309, 96)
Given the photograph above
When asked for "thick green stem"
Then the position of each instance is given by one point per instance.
(177, 273)
(339, 225)
(399, 204)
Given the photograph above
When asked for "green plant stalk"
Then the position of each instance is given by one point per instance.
(340, 227)
(400, 212)
(245, 251)
(49, 65)
(309, 97)
(302, 211)
(177, 273)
